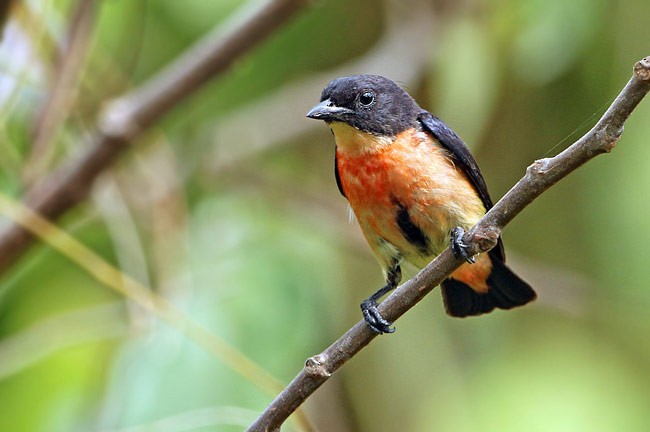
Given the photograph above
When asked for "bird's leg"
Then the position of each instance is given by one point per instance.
(458, 247)
(371, 315)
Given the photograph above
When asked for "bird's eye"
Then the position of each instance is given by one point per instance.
(367, 98)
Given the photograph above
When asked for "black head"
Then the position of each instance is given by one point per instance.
(370, 103)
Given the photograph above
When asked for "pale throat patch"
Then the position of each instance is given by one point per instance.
(353, 140)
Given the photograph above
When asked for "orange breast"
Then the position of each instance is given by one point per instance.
(379, 175)
(411, 171)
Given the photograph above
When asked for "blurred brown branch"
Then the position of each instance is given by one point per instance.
(540, 176)
(5, 10)
(132, 114)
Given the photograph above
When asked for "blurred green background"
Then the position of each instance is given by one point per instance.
(228, 208)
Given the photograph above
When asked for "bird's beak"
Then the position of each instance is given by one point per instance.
(328, 111)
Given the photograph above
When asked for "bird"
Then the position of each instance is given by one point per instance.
(414, 188)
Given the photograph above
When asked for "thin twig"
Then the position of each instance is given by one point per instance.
(129, 116)
(144, 297)
(57, 105)
(130, 288)
(149, 300)
(540, 176)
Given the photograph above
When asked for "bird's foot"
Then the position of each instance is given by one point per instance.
(458, 247)
(373, 318)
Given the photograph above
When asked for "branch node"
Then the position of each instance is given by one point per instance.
(642, 69)
(486, 238)
(611, 140)
(606, 139)
(118, 121)
(315, 366)
(539, 167)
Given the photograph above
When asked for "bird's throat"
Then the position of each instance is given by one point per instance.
(354, 141)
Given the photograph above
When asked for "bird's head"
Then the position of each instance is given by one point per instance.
(369, 103)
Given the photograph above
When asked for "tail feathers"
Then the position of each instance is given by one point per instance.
(505, 291)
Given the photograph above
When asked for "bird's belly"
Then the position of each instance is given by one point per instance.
(378, 222)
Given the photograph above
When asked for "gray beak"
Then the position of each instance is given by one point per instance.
(327, 111)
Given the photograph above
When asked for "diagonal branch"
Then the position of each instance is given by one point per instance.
(129, 116)
(540, 176)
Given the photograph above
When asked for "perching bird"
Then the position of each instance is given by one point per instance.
(414, 188)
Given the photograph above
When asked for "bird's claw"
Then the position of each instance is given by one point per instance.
(373, 318)
(458, 247)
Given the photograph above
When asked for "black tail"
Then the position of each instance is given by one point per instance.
(505, 291)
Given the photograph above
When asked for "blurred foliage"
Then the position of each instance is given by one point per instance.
(260, 250)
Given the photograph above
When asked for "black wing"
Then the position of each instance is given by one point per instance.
(463, 159)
